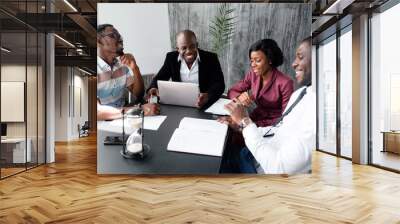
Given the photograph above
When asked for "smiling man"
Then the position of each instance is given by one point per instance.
(117, 73)
(286, 146)
(191, 64)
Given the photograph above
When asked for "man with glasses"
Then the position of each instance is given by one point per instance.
(191, 64)
(116, 73)
(286, 146)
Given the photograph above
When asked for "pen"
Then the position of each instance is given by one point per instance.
(267, 134)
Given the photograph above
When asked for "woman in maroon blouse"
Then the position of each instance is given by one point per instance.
(269, 88)
(264, 87)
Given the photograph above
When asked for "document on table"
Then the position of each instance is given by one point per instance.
(218, 107)
(199, 136)
(131, 124)
(153, 122)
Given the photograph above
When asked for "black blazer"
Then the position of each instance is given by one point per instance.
(211, 78)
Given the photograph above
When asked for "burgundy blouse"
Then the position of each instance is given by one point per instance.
(271, 100)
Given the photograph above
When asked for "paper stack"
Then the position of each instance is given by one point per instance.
(199, 136)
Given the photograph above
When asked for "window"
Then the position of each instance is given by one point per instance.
(346, 92)
(327, 95)
(385, 89)
(22, 76)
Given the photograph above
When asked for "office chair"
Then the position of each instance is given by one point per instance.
(84, 130)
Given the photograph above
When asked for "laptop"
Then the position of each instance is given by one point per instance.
(178, 93)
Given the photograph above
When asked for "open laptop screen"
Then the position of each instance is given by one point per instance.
(178, 93)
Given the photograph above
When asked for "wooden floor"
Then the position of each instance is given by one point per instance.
(70, 191)
(5, 172)
(387, 159)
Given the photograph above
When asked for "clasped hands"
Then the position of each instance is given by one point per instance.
(237, 110)
(149, 109)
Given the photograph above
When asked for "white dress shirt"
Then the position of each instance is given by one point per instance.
(289, 150)
(190, 75)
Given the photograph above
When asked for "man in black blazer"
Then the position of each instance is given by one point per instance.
(190, 64)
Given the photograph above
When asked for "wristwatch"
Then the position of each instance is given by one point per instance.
(245, 122)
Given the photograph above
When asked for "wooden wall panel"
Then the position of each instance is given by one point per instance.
(287, 24)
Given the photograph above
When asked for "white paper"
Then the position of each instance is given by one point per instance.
(153, 122)
(115, 126)
(131, 124)
(199, 136)
(218, 107)
(189, 123)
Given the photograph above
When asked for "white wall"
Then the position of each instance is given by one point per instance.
(33, 126)
(79, 117)
(68, 82)
(12, 101)
(148, 20)
(61, 103)
(12, 73)
(82, 82)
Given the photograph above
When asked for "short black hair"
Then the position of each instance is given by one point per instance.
(102, 27)
(188, 33)
(271, 49)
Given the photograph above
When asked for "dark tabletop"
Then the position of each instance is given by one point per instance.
(159, 160)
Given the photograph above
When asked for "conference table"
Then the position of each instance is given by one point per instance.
(158, 160)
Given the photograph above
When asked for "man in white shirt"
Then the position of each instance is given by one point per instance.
(191, 64)
(286, 147)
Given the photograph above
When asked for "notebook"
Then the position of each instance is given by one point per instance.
(199, 136)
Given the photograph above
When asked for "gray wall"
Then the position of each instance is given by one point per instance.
(71, 102)
(286, 23)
